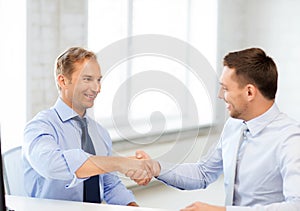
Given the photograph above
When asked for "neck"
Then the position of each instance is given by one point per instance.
(259, 108)
(80, 112)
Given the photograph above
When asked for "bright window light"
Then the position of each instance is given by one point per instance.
(193, 22)
(13, 72)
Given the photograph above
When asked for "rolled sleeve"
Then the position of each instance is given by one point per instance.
(75, 158)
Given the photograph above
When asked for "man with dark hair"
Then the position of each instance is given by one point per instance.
(67, 154)
(258, 151)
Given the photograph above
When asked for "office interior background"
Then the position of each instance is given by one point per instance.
(35, 32)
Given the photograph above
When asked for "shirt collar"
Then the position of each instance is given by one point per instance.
(63, 110)
(257, 124)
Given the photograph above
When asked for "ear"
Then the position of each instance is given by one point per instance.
(251, 91)
(62, 81)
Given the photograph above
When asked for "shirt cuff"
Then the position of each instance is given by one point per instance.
(75, 181)
(165, 169)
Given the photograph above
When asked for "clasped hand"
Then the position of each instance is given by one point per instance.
(142, 168)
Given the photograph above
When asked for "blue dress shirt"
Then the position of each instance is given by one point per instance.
(52, 153)
(268, 172)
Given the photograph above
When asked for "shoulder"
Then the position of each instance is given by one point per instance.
(45, 118)
(45, 122)
(286, 124)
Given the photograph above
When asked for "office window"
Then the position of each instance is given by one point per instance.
(150, 108)
(13, 72)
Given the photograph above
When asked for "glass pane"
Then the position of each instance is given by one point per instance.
(149, 101)
(107, 22)
(13, 72)
(167, 17)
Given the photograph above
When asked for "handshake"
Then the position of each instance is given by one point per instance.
(140, 168)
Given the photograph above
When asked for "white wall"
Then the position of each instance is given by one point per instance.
(274, 26)
(278, 31)
(52, 27)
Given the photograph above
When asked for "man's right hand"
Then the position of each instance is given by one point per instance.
(140, 168)
(152, 164)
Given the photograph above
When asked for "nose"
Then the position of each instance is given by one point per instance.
(221, 94)
(96, 87)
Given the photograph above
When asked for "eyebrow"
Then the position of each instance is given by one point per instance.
(85, 75)
(223, 85)
(90, 76)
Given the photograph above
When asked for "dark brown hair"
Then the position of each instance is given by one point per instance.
(65, 63)
(253, 66)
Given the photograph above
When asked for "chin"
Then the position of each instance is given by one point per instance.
(89, 105)
(233, 115)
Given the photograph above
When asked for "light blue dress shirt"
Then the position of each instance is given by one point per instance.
(52, 153)
(268, 172)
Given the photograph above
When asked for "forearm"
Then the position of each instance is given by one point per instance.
(96, 165)
(188, 176)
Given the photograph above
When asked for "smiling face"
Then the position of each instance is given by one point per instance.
(235, 96)
(80, 90)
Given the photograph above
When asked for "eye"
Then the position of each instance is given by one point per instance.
(87, 78)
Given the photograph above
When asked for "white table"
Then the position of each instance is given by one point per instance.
(19, 203)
